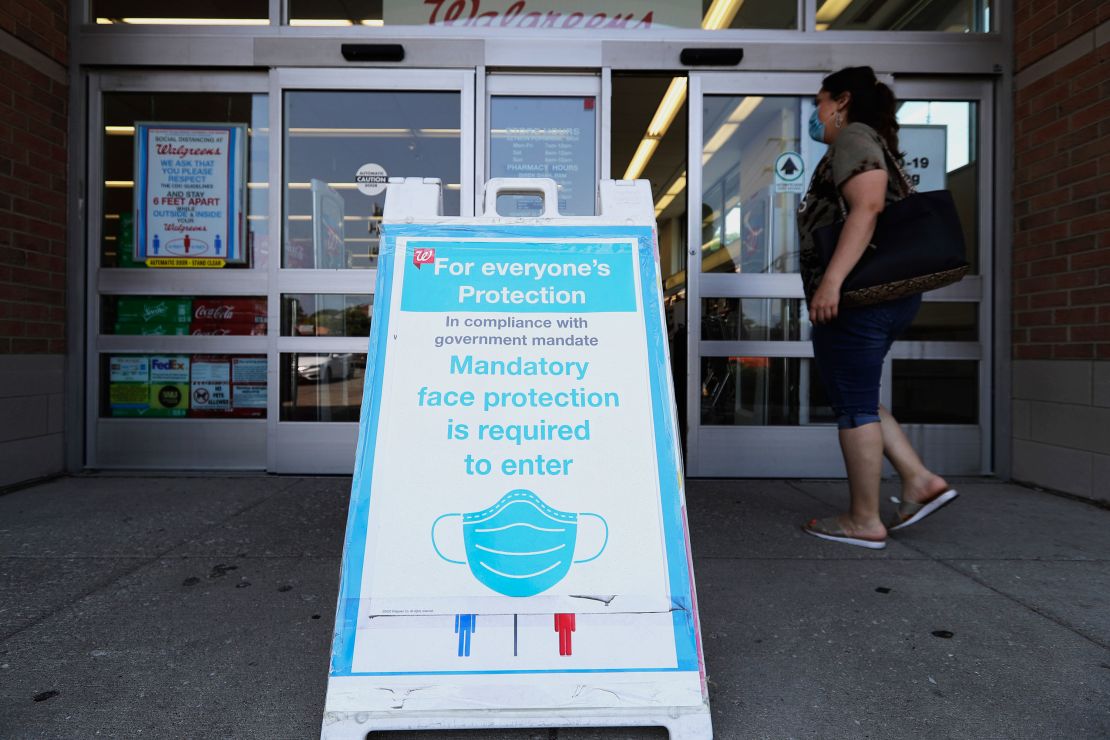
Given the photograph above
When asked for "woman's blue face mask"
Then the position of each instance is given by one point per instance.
(816, 128)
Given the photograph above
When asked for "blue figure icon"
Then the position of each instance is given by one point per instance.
(520, 546)
(218, 244)
(465, 626)
(156, 244)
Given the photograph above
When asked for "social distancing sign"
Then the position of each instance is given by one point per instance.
(516, 548)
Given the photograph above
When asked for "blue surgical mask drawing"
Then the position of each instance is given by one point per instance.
(520, 546)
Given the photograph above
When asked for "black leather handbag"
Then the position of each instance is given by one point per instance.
(918, 245)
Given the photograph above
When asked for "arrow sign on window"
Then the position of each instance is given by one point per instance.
(789, 168)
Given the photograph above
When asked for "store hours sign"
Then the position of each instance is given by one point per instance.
(189, 194)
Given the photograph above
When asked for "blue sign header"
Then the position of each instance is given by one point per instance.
(520, 277)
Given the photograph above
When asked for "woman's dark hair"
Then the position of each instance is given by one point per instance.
(872, 102)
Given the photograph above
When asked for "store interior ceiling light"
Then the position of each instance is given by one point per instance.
(673, 192)
(431, 133)
(321, 22)
(303, 22)
(668, 108)
(830, 11)
(718, 16)
(364, 132)
(641, 158)
(187, 21)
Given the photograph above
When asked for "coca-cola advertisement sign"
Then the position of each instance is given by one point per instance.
(230, 309)
(228, 317)
(206, 329)
(562, 15)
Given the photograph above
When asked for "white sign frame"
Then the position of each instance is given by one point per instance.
(633, 684)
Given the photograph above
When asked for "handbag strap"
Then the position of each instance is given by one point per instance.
(910, 189)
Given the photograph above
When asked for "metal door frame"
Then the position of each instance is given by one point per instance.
(160, 443)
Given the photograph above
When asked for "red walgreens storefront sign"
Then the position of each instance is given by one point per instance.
(554, 14)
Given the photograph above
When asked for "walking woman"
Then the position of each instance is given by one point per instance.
(855, 116)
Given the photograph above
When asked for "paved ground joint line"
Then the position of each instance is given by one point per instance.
(1044, 615)
(947, 563)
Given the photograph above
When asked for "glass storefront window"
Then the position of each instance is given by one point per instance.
(554, 137)
(952, 16)
(935, 391)
(178, 386)
(754, 319)
(195, 13)
(322, 386)
(340, 149)
(335, 13)
(139, 315)
(724, 14)
(748, 214)
(762, 391)
(940, 141)
(315, 315)
(123, 110)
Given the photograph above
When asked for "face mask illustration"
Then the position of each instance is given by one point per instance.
(520, 546)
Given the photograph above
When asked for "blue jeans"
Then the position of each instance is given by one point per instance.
(849, 353)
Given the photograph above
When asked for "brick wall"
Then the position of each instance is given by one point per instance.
(33, 129)
(1061, 186)
(34, 121)
(1061, 249)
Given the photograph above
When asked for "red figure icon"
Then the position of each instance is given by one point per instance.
(186, 244)
(564, 625)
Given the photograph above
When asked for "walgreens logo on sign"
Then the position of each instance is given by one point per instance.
(558, 14)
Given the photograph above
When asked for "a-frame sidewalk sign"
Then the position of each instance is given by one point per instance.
(517, 552)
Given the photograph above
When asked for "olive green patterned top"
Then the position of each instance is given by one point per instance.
(859, 148)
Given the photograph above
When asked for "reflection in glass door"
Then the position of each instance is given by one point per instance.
(344, 134)
(756, 406)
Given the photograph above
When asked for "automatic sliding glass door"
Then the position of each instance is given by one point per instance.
(344, 133)
(755, 404)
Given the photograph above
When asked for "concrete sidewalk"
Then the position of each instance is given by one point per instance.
(202, 607)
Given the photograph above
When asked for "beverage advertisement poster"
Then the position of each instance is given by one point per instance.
(189, 194)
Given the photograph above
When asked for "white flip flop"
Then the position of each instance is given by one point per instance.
(911, 512)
